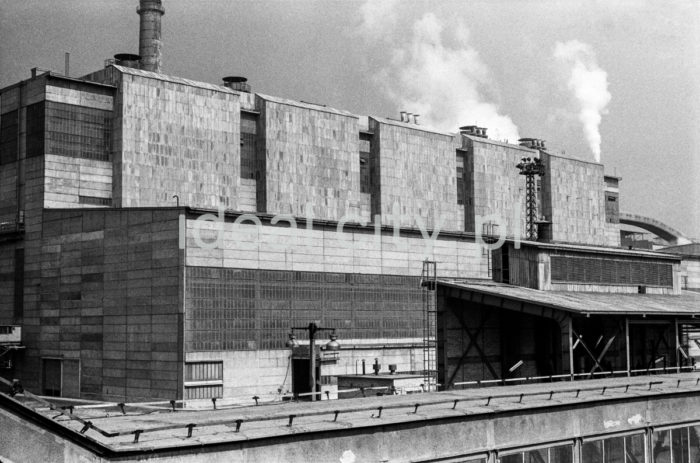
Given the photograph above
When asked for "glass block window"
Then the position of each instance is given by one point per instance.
(203, 392)
(239, 309)
(78, 131)
(248, 144)
(9, 124)
(204, 371)
(611, 271)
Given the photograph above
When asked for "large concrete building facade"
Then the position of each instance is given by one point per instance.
(160, 236)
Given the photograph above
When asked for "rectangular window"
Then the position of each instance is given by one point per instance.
(94, 200)
(460, 178)
(618, 449)
(248, 144)
(204, 380)
(365, 168)
(203, 392)
(77, 131)
(51, 377)
(558, 454)
(9, 124)
(679, 445)
(19, 285)
(36, 129)
(204, 371)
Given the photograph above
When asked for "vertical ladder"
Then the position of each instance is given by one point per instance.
(429, 286)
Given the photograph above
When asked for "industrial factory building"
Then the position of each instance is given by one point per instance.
(160, 238)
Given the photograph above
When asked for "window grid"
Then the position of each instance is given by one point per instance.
(232, 309)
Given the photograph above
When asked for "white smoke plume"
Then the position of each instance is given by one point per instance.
(378, 16)
(444, 84)
(589, 83)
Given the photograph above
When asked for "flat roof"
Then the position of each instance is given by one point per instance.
(163, 429)
(585, 303)
(586, 248)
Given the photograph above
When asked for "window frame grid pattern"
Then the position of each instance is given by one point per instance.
(239, 309)
(78, 131)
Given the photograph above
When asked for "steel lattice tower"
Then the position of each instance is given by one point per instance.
(530, 167)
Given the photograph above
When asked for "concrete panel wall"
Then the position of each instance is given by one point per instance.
(173, 137)
(494, 185)
(690, 268)
(68, 179)
(105, 290)
(574, 200)
(268, 373)
(417, 170)
(308, 154)
(245, 245)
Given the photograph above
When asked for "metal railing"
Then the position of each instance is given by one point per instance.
(376, 411)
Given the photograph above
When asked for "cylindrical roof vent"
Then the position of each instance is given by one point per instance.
(128, 60)
(237, 83)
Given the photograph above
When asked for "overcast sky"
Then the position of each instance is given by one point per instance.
(615, 79)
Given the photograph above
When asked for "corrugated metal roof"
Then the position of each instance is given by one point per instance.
(686, 304)
(585, 248)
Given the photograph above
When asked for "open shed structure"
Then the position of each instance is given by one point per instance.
(564, 311)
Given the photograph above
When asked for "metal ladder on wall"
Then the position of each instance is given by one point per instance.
(428, 282)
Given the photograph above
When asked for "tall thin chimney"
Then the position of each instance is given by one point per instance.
(150, 43)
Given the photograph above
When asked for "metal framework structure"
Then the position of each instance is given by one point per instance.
(429, 285)
(529, 167)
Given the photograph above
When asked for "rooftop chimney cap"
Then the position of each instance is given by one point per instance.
(234, 79)
(127, 57)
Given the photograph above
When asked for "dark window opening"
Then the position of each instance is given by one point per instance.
(36, 129)
(460, 179)
(19, 285)
(365, 164)
(95, 200)
(51, 377)
(248, 144)
(9, 125)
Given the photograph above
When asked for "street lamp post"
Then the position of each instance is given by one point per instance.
(332, 345)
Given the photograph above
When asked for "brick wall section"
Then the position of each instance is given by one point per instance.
(574, 200)
(109, 295)
(308, 154)
(494, 185)
(417, 169)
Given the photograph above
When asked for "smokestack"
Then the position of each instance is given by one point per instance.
(150, 43)
(415, 118)
(67, 66)
(408, 117)
(403, 116)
